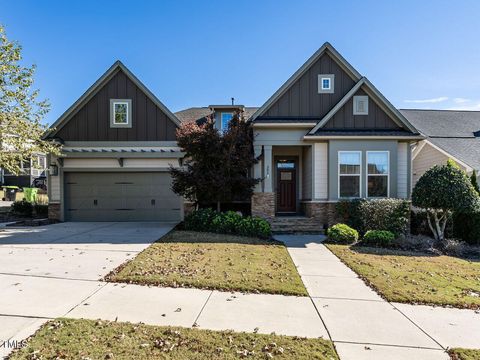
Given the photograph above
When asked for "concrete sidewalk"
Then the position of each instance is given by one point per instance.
(41, 280)
(362, 324)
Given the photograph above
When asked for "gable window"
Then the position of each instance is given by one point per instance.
(378, 172)
(326, 83)
(349, 170)
(225, 119)
(121, 113)
(360, 105)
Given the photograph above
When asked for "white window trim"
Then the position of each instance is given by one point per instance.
(360, 98)
(387, 175)
(221, 119)
(329, 83)
(359, 174)
(113, 109)
(113, 123)
(323, 90)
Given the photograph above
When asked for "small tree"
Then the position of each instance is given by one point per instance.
(216, 166)
(20, 111)
(441, 191)
(474, 181)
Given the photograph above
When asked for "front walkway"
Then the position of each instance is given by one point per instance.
(365, 326)
(54, 271)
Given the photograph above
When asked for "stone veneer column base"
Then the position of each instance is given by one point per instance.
(188, 208)
(324, 212)
(54, 212)
(263, 205)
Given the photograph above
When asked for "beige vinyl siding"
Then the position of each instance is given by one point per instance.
(321, 170)
(307, 173)
(427, 158)
(54, 184)
(402, 171)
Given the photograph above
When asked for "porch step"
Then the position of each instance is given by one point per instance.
(296, 224)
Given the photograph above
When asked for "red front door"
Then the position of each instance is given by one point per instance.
(286, 186)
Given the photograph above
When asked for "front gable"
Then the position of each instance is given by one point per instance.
(377, 118)
(90, 118)
(300, 96)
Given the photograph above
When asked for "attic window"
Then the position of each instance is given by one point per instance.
(326, 83)
(121, 113)
(360, 105)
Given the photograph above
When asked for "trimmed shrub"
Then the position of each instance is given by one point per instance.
(385, 214)
(22, 208)
(383, 238)
(379, 214)
(208, 220)
(466, 226)
(350, 213)
(41, 209)
(342, 234)
(200, 220)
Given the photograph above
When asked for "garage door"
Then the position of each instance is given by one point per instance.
(120, 197)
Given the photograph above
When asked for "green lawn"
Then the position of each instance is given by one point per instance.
(464, 354)
(415, 278)
(214, 261)
(87, 339)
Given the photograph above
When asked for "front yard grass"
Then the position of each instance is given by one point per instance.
(214, 261)
(464, 354)
(410, 277)
(88, 339)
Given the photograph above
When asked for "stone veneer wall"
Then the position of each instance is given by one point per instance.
(54, 212)
(263, 205)
(324, 212)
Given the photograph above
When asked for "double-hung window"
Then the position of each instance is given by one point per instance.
(225, 119)
(378, 171)
(349, 174)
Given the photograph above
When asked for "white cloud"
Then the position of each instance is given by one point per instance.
(461, 100)
(428, 101)
(472, 105)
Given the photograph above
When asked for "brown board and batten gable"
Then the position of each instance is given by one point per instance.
(89, 118)
(299, 96)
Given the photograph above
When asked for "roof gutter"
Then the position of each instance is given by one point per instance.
(362, 137)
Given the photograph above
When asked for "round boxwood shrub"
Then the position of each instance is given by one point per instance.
(342, 234)
(383, 238)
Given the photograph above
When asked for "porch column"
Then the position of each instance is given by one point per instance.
(257, 168)
(267, 170)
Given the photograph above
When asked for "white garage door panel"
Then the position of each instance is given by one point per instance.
(120, 197)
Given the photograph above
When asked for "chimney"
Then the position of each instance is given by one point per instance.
(233, 101)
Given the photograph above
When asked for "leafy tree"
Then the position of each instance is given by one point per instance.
(216, 166)
(441, 191)
(474, 181)
(20, 111)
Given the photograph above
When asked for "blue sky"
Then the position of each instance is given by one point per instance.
(420, 54)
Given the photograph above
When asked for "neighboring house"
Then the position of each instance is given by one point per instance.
(118, 144)
(326, 134)
(32, 173)
(450, 135)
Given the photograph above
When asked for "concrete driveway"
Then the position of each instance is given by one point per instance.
(47, 271)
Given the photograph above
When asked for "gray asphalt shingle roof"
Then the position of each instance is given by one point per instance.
(198, 113)
(456, 132)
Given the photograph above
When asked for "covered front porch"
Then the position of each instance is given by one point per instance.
(286, 173)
